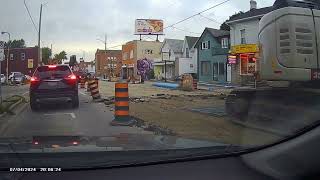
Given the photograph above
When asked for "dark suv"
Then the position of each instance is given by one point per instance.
(52, 82)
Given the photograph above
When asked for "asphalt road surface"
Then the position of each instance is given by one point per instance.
(58, 118)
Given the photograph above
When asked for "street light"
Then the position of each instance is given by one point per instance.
(8, 45)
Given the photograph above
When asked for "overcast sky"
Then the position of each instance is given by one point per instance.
(74, 25)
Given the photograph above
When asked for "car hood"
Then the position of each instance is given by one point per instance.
(119, 142)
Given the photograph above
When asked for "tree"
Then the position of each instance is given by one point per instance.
(61, 56)
(73, 60)
(16, 44)
(46, 54)
(224, 25)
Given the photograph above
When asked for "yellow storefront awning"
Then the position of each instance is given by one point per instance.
(244, 48)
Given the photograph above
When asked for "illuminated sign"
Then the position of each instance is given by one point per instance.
(244, 48)
(232, 59)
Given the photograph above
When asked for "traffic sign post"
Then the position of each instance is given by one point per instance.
(2, 57)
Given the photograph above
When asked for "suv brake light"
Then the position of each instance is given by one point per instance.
(72, 77)
(34, 79)
(52, 66)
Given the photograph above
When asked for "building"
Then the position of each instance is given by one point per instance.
(213, 48)
(138, 58)
(171, 51)
(244, 29)
(24, 60)
(108, 63)
(187, 64)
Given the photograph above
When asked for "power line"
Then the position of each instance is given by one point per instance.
(197, 14)
(210, 19)
(173, 25)
(185, 30)
(34, 25)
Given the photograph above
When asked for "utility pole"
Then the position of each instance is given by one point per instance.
(39, 38)
(105, 50)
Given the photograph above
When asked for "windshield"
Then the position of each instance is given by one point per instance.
(133, 76)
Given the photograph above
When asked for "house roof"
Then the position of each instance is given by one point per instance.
(214, 32)
(251, 13)
(176, 45)
(218, 33)
(191, 40)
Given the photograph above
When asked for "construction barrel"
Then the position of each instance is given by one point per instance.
(121, 114)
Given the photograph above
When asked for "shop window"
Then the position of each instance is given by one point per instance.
(205, 68)
(247, 64)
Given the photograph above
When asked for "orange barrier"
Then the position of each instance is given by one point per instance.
(94, 89)
(121, 113)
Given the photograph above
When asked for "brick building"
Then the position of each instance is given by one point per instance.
(24, 60)
(108, 63)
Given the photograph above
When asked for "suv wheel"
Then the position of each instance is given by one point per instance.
(75, 101)
(33, 104)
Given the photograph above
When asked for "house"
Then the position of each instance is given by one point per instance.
(213, 48)
(171, 51)
(138, 58)
(244, 29)
(24, 60)
(187, 64)
(108, 63)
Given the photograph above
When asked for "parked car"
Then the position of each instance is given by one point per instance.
(53, 82)
(17, 77)
(3, 78)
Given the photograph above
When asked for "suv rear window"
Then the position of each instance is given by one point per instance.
(45, 72)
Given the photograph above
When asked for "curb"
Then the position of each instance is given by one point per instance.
(278, 133)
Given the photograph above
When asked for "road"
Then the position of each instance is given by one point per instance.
(14, 90)
(60, 119)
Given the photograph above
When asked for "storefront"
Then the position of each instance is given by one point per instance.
(244, 63)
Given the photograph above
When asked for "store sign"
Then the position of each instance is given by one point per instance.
(30, 63)
(244, 48)
(232, 59)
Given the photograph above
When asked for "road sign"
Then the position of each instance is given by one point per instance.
(1, 50)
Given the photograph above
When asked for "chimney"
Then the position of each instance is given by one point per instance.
(253, 4)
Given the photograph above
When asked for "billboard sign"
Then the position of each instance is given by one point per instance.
(148, 27)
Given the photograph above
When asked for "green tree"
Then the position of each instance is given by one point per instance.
(16, 44)
(61, 56)
(46, 54)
